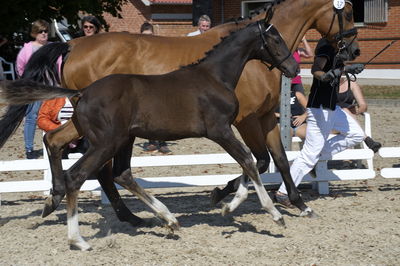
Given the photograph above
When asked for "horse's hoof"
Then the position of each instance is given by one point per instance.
(280, 222)
(173, 227)
(308, 212)
(80, 246)
(225, 209)
(51, 204)
(215, 197)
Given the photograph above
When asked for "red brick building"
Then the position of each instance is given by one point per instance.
(377, 22)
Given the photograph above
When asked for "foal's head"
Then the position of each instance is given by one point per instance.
(275, 50)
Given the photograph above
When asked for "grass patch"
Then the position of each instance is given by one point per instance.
(373, 92)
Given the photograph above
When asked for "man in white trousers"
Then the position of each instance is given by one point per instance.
(323, 116)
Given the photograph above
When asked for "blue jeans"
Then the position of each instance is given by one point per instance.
(30, 124)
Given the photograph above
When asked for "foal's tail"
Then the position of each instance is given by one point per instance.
(42, 67)
(18, 94)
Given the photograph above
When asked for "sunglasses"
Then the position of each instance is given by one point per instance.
(88, 27)
(43, 31)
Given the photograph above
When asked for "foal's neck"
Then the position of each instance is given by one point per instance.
(227, 60)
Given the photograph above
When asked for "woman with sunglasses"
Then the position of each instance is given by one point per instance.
(90, 26)
(39, 32)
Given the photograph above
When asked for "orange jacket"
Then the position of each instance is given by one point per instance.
(48, 113)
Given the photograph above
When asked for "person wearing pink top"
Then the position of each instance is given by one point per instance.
(39, 31)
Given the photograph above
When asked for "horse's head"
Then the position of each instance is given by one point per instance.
(275, 51)
(337, 25)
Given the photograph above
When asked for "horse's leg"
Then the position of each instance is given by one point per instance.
(106, 181)
(278, 153)
(127, 181)
(252, 134)
(75, 239)
(226, 138)
(55, 141)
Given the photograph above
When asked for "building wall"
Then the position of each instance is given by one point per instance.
(372, 37)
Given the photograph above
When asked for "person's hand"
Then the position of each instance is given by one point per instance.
(299, 119)
(354, 68)
(331, 75)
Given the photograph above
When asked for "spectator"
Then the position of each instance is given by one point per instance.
(352, 101)
(90, 26)
(153, 145)
(39, 32)
(55, 112)
(323, 116)
(204, 24)
(298, 100)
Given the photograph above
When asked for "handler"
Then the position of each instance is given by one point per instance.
(323, 116)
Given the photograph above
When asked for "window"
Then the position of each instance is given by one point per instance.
(248, 7)
(375, 11)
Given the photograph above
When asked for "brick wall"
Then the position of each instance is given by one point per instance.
(372, 37)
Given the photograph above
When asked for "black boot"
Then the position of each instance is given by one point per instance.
(373, 145)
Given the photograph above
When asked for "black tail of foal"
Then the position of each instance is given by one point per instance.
(42, 67)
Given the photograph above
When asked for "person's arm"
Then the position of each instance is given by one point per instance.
(46, 116)
(359, 96)
(302, 99)
(21, 61)
(318, 66)
(305, 52)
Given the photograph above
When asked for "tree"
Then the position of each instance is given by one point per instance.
(17, 15)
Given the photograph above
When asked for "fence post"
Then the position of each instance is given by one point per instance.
(285, 113)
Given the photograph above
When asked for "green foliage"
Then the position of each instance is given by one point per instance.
(17, 16)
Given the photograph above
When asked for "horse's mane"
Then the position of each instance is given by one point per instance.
(256, 12)
(212, 50)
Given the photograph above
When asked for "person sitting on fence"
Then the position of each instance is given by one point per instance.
(323, 116)
(352, 101)
(55, 112)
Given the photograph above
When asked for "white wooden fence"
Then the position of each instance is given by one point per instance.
(324, 175)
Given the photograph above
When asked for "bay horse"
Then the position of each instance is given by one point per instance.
(198, 100)
(258, 89)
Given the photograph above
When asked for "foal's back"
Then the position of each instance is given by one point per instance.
(171, 106)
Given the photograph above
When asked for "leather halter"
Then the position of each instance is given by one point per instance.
(264, 46)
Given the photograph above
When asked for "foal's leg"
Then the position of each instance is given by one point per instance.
(242, 155)
(55, 141)
(106, 181)
(127, 181)
(86, 166)
(252, 134)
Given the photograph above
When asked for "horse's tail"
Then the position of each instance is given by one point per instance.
(41, 67)
(19, 93)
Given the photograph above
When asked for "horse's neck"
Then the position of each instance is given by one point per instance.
(227, 60)
(302, 13)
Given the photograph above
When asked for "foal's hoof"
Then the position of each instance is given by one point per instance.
(215, 196)
(51, 204)
(225, 209)
(280, 222)
(173, 227)
(308, 212)
(80, 246)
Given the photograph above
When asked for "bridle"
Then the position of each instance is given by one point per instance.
(339, 37)
(265, 47)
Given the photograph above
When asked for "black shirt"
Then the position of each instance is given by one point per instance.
(322, 93)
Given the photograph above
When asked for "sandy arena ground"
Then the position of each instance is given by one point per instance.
(359, 221)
